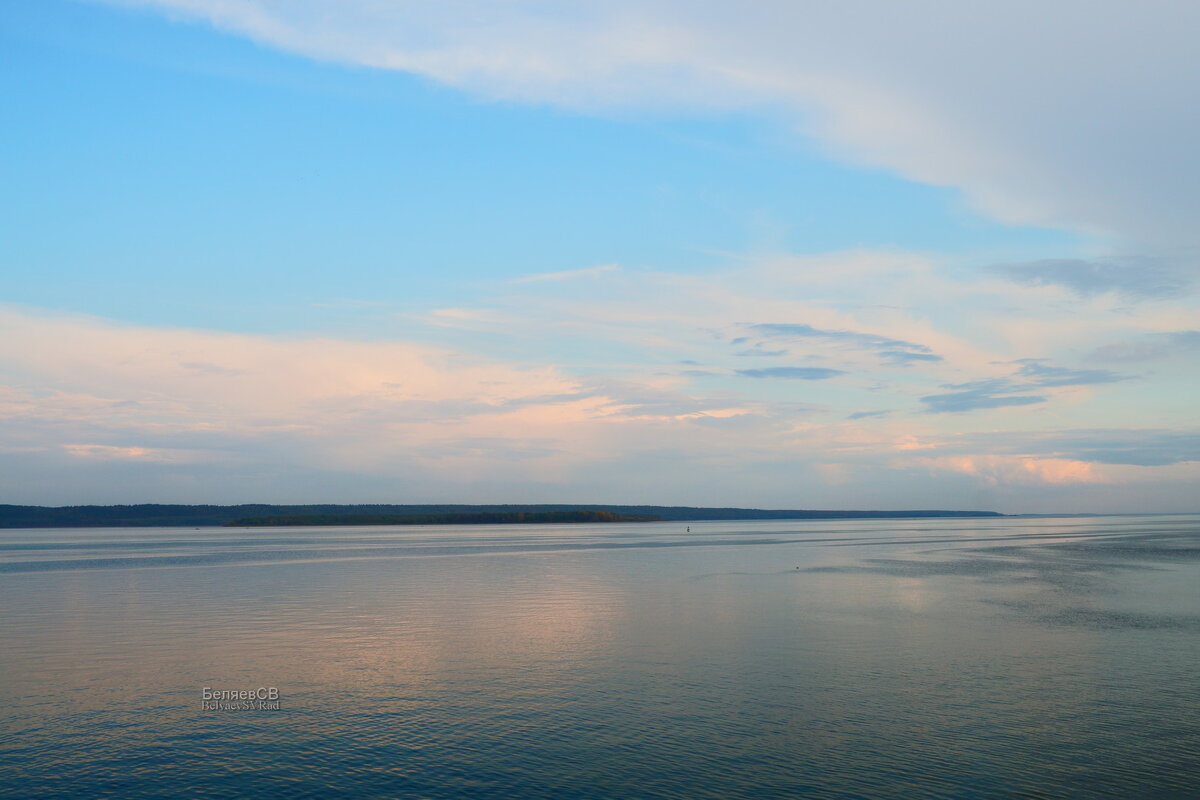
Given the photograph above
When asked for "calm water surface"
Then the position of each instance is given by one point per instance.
(849, 659)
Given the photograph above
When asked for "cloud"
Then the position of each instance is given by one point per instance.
(1145, 447)
(211, 369)
(758, 351)
(929, 89)
(1018, 470)
(979, 395)
(134, 392)
(1141, 448)
(121, 410)
(1032, 374)
(108, 452)
(553, 388)
(896, 352)
(1150, 347)
(566, 275)
(487, 447)
(902, 358)
(1134, 278)
(799, 373)
(867, 414)
(894, 308)
(801, 331)
(1038, 373)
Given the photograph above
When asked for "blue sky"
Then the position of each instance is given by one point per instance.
(192, 163)
(534, 267)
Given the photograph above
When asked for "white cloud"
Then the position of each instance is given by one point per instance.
(566, 275)
(1077, 114)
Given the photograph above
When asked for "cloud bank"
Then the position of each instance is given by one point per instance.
(631, 389)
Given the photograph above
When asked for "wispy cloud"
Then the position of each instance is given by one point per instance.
(116, 452)
(1145, 447)
(1135, 278)
(1150, 347)
(1036, 372)
(867, 414)
(896, 352)
(1031, 375)
(979, 395)
(797, 373)
(786, 331)
(568, 275)
(904, 358)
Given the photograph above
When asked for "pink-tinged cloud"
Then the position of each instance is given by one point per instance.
(97, 391)
(1003, 470)
(113, 452)
(168, 414)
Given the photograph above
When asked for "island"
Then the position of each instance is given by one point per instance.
(479, 518)
(256, 514)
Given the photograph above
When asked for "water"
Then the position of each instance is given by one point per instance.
(851, 659)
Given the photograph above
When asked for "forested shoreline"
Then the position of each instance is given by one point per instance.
(198, 516)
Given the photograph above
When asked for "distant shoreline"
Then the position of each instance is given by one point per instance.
(483, 518)
(256, 515)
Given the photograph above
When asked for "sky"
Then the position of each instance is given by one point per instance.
(769, 254)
